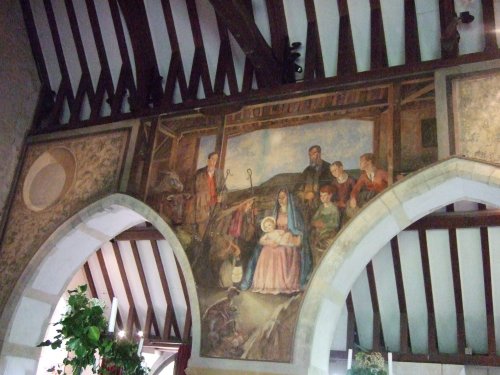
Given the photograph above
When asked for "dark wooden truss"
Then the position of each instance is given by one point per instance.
(141, 91)
(132, 321)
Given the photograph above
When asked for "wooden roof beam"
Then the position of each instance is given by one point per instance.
(403, 323)
(85, 86)
(105, 83)
(149, 88)
(448, 24)
(450, 220)
(431, 317)
(412, 45)
(36, 48)
(133, 317)
(277, 27)
(170, 319)
(126, 80)
(248, 70)
(378, 50)
(378, 334)
(47, 95)
(90, 280)
(176, 68)
(235, 16)
(352, 338)
(199, 70)
(457, 288)
(109, 286)
(188, 322)
(314, 67)
(346, 64)
(225, 63)
(490, 40)
(151, 316)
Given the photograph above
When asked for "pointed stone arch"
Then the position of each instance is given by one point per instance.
(32, 302)
(445, 182)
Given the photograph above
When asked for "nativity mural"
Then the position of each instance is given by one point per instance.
(255, 229)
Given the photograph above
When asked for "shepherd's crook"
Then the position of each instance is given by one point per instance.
(249, 173)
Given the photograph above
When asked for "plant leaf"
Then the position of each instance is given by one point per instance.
(44, 343)
(94, 334)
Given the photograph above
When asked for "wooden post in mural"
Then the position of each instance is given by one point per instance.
(221, 141)
(396, 130)
(140, 169)
(393, 131)
(172, 161)
(390, 133)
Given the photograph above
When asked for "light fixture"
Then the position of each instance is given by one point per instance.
(290, 57)
(140, 334)
(121, 334)
(466, 17)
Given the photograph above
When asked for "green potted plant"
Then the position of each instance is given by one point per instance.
(83, 332)
(368, 364)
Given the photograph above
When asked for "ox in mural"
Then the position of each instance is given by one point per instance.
(255, 231)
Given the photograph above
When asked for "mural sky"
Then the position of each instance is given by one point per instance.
(270, 152)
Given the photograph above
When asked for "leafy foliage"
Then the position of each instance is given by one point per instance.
(83, 331)
(368, 364)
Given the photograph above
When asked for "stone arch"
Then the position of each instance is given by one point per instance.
(443, 183)
(162, 362)
(32, 302)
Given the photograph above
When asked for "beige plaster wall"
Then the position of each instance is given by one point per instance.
(474, 94)
(19, 86)
(476, 110)
(98, 163)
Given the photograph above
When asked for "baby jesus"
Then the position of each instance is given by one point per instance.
(276, 237)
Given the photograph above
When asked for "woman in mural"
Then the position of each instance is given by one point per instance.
(281, 267)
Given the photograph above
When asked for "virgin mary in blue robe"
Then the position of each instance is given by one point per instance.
(295, 224)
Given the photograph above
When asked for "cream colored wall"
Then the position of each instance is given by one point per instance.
(476, 117)
(19, 88)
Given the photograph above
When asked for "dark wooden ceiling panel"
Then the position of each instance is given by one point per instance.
(105, 66)
(412, 45)
(346, 58)
(378, 50)
(314, 56)
(234, 14)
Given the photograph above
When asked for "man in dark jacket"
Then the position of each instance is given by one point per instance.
(316, 175)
